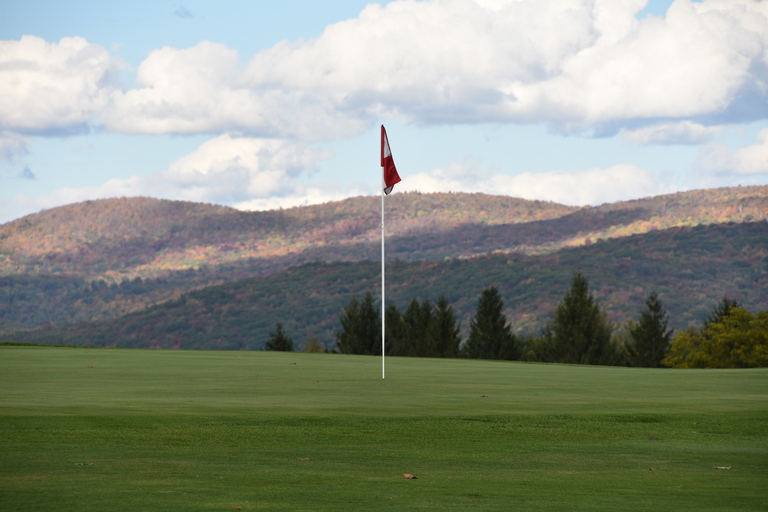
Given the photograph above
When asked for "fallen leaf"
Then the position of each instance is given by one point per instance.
(409, 476)
(303, 458)
(652, 469)
(722, 467)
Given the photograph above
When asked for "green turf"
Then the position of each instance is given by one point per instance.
(101, 429)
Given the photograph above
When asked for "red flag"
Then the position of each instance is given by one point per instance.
(390, 172)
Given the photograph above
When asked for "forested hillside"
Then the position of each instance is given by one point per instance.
(691, 268)
(118, 239)
(100, 260)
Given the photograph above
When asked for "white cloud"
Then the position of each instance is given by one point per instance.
(682, 132)
(694, 63)
(592, 186)
(203, 89)
(464, 176)
(248, 173)
(751, 160)
(236, 169)
(579, 65)
(576, 64)
(401, 59)
(54, 87)
(301, 195)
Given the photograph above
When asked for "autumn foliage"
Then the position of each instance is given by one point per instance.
(738, 340)
(156, 273)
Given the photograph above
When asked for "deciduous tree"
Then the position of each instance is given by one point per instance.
(739, 340)
(314, 346)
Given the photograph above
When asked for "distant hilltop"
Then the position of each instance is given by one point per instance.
(179, 274)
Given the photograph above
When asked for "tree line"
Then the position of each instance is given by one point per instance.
(579, 333)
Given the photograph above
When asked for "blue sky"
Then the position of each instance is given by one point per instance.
(263, 104)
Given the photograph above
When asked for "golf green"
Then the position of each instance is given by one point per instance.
(104, 429)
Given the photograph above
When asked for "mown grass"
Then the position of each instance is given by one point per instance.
(116, 430)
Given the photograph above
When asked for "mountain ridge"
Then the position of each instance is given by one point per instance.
(100, 260)
(690, 267)
(118, 239)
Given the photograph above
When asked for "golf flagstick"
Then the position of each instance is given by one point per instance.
(389, 178)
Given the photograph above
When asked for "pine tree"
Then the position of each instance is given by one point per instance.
(721, 310)
(650, 337)
(278, 340)
(395, 333)
(580, 332)
(443, 333)
(360, 328)
(490, 336)
(416, 320)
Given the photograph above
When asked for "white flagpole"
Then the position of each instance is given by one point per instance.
(383, 307)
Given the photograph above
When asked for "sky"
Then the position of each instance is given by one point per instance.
(259, 104)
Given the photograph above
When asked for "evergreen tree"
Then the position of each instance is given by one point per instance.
(416, 320)
(490, 336)
(580, 332)
(278, 340)
(395, 333)
(443, 333)
(721, 310)
(649, 338)
(360, 328)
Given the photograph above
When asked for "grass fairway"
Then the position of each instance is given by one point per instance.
(142, 430)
